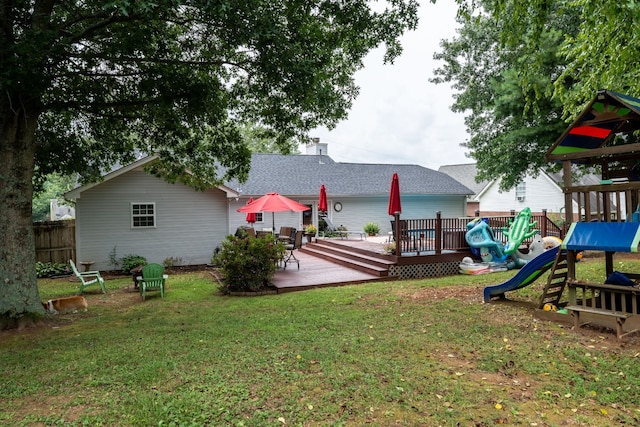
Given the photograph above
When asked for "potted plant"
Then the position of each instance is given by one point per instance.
(310, 231)
(371, 228)
(390, 248)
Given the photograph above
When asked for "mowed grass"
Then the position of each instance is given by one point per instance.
(398, 353)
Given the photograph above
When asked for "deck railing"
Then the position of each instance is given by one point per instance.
(604, 202)
(434, 235)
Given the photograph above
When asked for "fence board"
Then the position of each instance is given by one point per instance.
(55, 241)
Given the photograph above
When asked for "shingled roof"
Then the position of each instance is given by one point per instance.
(302, 175)
(466, 175)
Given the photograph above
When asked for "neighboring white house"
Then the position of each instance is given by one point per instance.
(543, 192)
(60, 212)
(136, 213)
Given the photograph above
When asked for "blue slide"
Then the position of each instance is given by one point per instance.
(525, 276)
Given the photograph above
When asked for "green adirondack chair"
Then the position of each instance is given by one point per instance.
(87, 278)
(153, 279)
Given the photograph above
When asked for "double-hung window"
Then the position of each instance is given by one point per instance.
(521, 191)
(143, 215)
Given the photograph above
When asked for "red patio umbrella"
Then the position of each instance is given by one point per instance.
(251, 216)
(322, 203)
(273, 202)
(394, 196)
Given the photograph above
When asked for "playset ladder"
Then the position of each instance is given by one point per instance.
(556, 281)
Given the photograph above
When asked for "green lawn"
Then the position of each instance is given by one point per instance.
(403, 353)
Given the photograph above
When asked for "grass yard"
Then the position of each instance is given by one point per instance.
(402, 353)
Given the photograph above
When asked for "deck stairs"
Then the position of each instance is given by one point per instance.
(356, 258)
(556, 282)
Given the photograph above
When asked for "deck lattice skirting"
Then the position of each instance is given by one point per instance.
(417, 271)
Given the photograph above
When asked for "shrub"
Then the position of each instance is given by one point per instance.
(248, 264)
(48, 269)
(311, 229)
(371, 228)
(132, 261)
(172, 261)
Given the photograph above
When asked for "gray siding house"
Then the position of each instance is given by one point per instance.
(137, 213)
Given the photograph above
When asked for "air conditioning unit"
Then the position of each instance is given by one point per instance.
(520, 198)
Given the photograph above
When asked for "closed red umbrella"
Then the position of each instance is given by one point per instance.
(322, 203)
(251, 216)
(273, 202)
(394, 196)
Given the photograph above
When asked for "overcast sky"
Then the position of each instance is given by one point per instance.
(400, 117)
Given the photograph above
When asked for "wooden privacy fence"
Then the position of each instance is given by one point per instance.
(55, 240)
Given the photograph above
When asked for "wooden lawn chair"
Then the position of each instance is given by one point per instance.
(87, 278)
(153, 279)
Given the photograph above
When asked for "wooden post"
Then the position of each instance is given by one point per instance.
(399, 242)
(543, 228)
(438, 233)
(568, 200)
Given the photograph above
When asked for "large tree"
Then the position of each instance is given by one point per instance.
(87, 83)
(512, 116)
(601, 53)
(524, 70)
(263, 140)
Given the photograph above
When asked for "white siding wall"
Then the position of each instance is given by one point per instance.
(357, 211)
(541, 193)
(189, 224)
(286, 219)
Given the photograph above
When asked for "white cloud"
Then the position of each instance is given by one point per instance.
(400, 117)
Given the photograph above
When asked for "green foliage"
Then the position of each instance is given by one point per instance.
(599, 51)
(248, 264)
(172, 261)
(132, 261)
(290, 69)
(114, 262)
(371, 228)
(53, 187)
(264, 140)
(311, 229)
(48, 269)
(390, 248)
(513, 116)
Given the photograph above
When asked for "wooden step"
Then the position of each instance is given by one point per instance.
(352, 253)
(358, 261)
(556, 281)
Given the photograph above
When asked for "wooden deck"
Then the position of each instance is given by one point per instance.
(316, 272)
(364, 262)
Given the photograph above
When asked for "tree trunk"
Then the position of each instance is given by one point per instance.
(19, 294)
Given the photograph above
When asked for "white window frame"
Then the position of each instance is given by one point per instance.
(521, 191)
(259, 217)
(145, 215)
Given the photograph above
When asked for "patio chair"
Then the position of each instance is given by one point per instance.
(284, 232)
(287, 234)
(244, 231)
(87, 278)
(291, 247)
(153, 279)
